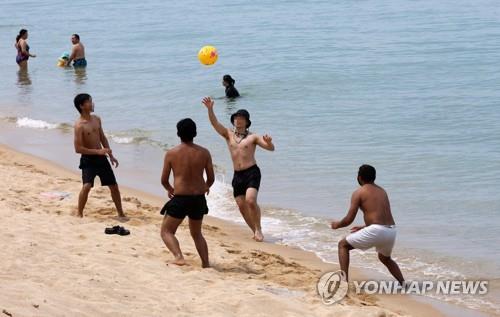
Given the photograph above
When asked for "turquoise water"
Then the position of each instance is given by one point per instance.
(411, 88)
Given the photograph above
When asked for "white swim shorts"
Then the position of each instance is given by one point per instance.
(381, 237)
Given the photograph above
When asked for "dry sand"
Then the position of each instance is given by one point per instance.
(55, 264)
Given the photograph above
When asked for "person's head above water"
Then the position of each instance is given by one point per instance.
(227, 81)
(75, 38)
(241, 119)
(23, 34)
(83, 103)
(366, 174)
(186, 130)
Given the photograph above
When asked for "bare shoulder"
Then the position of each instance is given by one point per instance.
(203, 150)
(96, 117)
(253, 136)
(78, 123)
(358, 192)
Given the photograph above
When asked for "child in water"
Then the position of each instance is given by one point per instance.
(228, 82)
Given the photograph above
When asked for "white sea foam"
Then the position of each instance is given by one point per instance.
(26, 122)
(123, 139)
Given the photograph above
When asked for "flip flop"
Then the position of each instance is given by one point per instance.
(123, 232)
(112, 230)
(117, 230)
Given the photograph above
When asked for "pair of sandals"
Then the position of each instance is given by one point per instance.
(121, 231)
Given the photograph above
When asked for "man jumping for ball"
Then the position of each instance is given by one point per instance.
(246, 181)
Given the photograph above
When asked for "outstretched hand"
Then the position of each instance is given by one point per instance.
(267, 138)
(208, 102)
(335, 225)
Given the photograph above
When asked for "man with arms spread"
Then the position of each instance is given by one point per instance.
(246, 180)
(188, 161)
(380, 229)
(77, 53)
(93, 145)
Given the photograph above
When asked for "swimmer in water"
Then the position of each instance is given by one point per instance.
(228, 82)
(23, 49)
(77, 53)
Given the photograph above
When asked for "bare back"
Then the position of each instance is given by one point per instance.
(242, 150)
(375, 205)
(78, 51)
(188, 162)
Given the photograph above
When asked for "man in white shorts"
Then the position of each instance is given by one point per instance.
(380, 229)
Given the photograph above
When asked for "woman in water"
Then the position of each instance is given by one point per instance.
(23, 49)
(228, 82)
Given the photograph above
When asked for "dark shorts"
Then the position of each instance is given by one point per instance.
(193, 206)
(243, 180)
(82, 62)
(97, 165)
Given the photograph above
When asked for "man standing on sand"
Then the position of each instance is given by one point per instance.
(77, 53)
(380, 228)
(246, 180)
(188, 161)
(93, 145)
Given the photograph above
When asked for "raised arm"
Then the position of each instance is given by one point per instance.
(351, 214)
(81, 149)
(209, 169)
(165, 176)
(265, 142)
(222, 130)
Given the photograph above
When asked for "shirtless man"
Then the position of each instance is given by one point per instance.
(77, 53)
(246, 180)
(380, 229)
(93, 145)
(188, 161)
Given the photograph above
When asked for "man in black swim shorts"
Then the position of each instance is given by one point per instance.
(93, 145)
(242, 145)
(188, 162)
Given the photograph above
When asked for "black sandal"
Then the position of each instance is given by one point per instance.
(113, 230)
(123, 232)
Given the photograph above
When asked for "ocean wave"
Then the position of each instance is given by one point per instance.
(26, 122)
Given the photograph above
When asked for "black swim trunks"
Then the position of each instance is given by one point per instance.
(97, 165)
(243, 180)
(180, 206)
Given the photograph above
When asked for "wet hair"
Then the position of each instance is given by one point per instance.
(367, 173)
(79, 100)
(22, 32)
(228, 79)
(186, 130)
(76, 36)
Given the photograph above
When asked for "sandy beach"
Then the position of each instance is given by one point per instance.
(55, 264)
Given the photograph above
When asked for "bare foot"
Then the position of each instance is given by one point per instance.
(205, 265)
(122, 218)
(79, 215)
(179, 262)
(258, 236)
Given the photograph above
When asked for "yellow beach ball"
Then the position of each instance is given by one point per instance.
(208, 55)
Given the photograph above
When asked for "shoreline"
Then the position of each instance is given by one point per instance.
(302, 268)
(232, 234)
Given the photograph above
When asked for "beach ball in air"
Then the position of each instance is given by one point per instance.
(208, 55)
